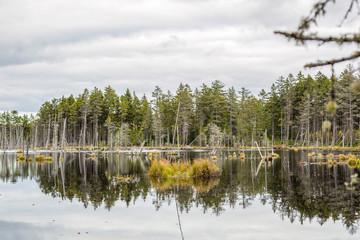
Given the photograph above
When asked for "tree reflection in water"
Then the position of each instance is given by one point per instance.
(311, 192)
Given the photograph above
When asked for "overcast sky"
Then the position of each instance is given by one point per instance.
(53, 48)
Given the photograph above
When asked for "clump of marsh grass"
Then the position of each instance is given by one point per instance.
(351, 163)
(42, 159)
(343, 157)
(311, 154)
(351, 156)
(21, 158)
(201, 168)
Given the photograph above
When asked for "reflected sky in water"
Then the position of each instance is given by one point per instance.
(81, 198)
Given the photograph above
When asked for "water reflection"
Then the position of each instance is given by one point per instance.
(309, 192)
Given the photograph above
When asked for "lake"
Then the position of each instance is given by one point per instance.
(110, 196)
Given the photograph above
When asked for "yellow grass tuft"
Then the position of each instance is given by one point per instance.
(343, 157)
(21, 158)
(311, 154)
(201, 168)
(40, 159)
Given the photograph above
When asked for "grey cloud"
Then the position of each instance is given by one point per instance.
(56, 48)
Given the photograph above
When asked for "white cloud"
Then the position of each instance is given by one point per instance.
(55, 48)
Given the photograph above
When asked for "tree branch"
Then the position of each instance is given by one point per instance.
(318, 10)
(334, 61)
(299, 37)
(349, 10)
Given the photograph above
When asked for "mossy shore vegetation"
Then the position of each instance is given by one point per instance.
(200, 168)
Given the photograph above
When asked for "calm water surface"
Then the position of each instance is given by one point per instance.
(78, 197)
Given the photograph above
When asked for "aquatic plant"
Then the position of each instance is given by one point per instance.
(351, 156)
(330, 164)
(343, 157)
(21, 158)
(40, 159)
(311, 154)
(201, 168)
(352, 163)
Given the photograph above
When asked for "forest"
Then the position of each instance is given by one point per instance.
(294, 112)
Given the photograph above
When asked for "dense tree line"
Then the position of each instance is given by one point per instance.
(294, 112)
